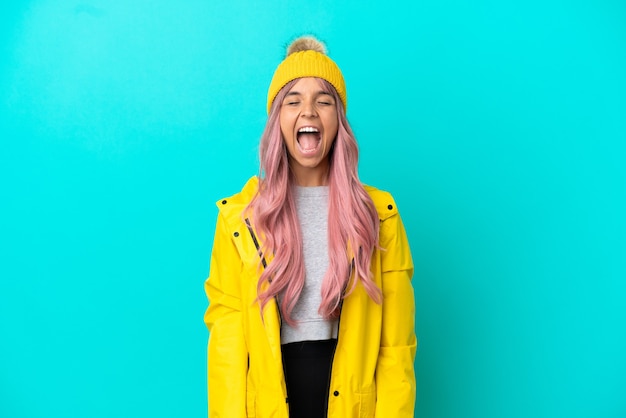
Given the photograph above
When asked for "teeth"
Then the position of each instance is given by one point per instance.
(308, 129)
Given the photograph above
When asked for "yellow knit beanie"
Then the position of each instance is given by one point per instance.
(306, 57)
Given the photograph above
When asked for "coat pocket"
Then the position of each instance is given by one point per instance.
(367, 404)
(250, 404)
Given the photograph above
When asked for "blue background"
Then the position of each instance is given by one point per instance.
(500, 127)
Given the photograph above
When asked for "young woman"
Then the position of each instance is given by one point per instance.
(311, 309)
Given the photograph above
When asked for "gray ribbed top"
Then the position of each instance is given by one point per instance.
(312, 209)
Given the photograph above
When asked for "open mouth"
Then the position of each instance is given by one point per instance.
(309, 139)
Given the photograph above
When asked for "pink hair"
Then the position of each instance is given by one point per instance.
(352, 220)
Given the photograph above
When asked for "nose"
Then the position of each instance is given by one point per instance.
(308, 109)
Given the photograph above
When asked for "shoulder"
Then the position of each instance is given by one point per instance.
(383, 201)
(392, 235)
(232, 206)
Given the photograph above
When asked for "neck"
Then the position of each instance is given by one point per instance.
(307, 177)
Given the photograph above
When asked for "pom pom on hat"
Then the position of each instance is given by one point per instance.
(306, 57)
(306, 43)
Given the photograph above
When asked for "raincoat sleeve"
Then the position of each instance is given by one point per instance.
(395, 372)
(227, 351)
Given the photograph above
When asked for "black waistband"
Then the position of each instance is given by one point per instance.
(321, 348)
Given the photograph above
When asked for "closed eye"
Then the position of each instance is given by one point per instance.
(325, 99)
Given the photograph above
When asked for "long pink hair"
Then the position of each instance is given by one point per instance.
(352, 220)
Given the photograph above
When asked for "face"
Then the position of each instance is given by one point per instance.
(309, 124)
